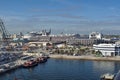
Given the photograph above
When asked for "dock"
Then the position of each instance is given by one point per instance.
(10, 66)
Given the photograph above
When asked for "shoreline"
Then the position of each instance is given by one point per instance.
(58, 56)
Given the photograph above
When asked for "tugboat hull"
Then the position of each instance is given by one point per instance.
(30, 64)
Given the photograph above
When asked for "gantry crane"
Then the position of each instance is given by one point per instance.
(4, 34)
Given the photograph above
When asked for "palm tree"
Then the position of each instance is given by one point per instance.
(99, 53)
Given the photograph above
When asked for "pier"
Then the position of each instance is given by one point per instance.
(10, 66)
(5, 67)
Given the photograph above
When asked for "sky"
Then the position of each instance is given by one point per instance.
(67, 16)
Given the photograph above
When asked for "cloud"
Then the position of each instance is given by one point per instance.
(73, 25)
(54, 6)
(112, 8)
(71, 16)
(62, 16)
(112, 17)
(52, 10)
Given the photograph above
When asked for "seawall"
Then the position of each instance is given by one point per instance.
(117, 58)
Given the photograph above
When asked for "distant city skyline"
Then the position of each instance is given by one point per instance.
(68, 16)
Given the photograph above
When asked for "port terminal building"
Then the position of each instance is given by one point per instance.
(108, 49)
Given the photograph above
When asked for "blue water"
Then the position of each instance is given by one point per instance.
(59, 69)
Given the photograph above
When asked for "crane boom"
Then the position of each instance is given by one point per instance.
(4, 34)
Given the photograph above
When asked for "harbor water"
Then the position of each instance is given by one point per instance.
(62, 69)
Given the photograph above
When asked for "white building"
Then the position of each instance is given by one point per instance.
(62, 45)
(27, 36)
(108, 49)
(95, 35)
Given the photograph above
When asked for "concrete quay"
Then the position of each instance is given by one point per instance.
(117, 58)
(10, 66)
(15, 64)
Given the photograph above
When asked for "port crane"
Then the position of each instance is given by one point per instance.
(4, 34)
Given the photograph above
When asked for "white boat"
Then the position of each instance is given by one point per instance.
(107, 76)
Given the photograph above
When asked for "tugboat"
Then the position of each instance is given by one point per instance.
(30, 63)
(41, 60)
